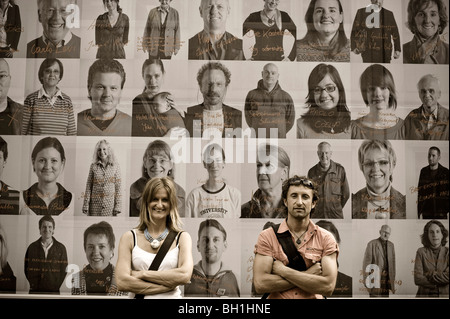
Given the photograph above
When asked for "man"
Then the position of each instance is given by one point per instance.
(213, 116)
(46, 260)
(314, 247)
(10, 111)
(379, 265)
(106, 79)
(268, 106)
(375, 34)
(9, 198)
(210, 277)
(332, 184)
(57, 40)
(433, 189)
(214, 42)
(272, 168)
(162, 32)
(430, 120)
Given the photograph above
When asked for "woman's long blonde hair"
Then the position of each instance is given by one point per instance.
(173, 221)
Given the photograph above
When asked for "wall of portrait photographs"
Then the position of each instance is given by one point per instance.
(20, 226)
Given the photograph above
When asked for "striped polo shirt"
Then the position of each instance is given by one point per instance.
(45, 115)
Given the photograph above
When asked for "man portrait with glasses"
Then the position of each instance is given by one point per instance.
(379, 199)
(310, 271)
(272, 168)
(10, 111)
(57, 40)
(268, 107)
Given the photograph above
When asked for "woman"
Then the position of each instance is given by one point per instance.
(10, 28)
(97, 278)
(49, 111)
(431, 263)
(379, 199)
(269, 27)
(215, 198)
(111, 31)
(103, 195)
(7, 278)
(157, 162)
(47, 196)
(378, 91)
(328, 115)
(146, 121)
(138, 248)
(325, 39)
(162, 31)
(427, 20)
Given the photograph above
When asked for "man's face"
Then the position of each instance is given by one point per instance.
(429, 93)
(379, 3)
(52, 16)
(270, 75)
(269, 173)
(214, 13)
(211, 244)
(46, 230)
(214, 163)
(165, 3)
(5, 80)
(433, 157)
(385, 232)
(105, 92)
(299, 201)
(324, 153)
(213, 87)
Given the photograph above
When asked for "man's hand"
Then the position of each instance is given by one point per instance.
(315, 269)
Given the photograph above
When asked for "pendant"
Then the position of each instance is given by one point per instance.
(155, 243)
(271, 21)
(298, 241)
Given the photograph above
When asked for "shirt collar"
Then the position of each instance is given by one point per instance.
(426, 115)
(64, 41)
(42, 93)
(161, 9)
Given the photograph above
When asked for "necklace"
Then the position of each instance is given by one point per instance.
(299, 239)
(155, 242)
(271, 21)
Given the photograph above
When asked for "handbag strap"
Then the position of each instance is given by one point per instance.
(160, 255)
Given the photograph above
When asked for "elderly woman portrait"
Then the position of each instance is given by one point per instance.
(158, 161)
(378, 91)
(7, 277)
(103, 195)
(10, 28)
(147, 119)
(162, 32)
(159, 227)
(328, 115)
(9, 198)
(325, 39)
(97, 278)
(215, 198)
(427, 20)
(379, 199)
(47, 196)
(269, 28)
(106, 79)
(431, 263)
(111, 31)
(49, 111)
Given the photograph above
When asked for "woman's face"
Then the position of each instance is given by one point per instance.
(153, 78)
(378, 97)
(427, 20)
(111, 5)
(103, 151)
(271, 4)
(158, 165)
(326, 93)
(159, 206)
(377, 169)
(326, 16)
(435, 235)
(48, 165)
(98, 251)
(51, 76)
